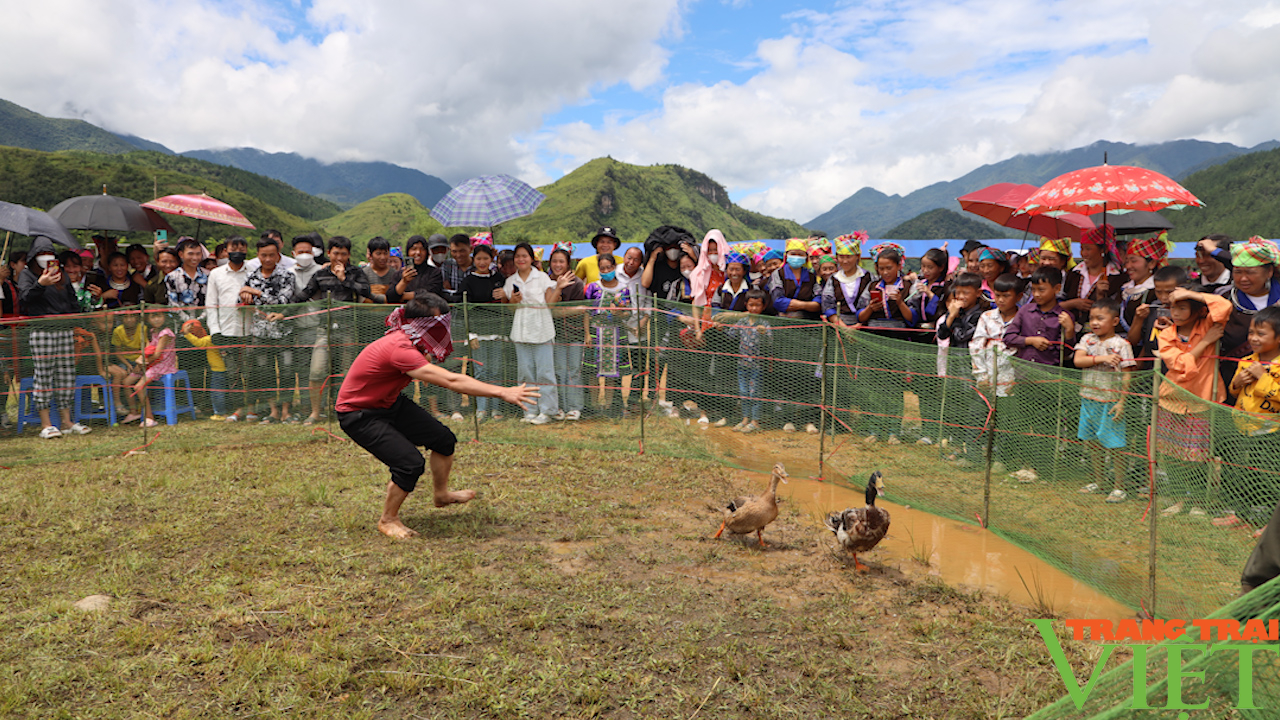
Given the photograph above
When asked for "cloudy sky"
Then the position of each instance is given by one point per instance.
(792, 105)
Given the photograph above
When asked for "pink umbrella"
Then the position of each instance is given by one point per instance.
(999, 202)
(201, 207)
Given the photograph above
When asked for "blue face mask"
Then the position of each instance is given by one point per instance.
(795, 261)
(609, 275)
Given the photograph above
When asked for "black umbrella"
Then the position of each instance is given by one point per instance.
(107, 212)
(1138, 222)
(27, 221)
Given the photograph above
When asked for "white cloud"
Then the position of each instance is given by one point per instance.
(441, 86)
(897, 95)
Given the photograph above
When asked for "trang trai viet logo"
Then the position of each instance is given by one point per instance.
(1185, 641)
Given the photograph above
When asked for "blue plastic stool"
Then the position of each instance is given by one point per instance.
(83, 384)
(27, 413)
(171, 408)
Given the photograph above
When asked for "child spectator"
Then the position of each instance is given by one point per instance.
(613, 322)
(1186, 342)
(1256, 385)
(1036, 334)
(570, 332)
(195, 334)
(127, 340)
(996, 370)
(1104, 355)
(159, 358)
(965, 306)
(483, 286)
(752, 332)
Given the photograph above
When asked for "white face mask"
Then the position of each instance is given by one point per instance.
(305, 260)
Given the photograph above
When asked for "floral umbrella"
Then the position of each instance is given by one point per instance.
(1109, 188)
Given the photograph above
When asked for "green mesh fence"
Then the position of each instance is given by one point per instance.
(645, 379)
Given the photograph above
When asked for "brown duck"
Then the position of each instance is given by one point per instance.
(745, 515)
(861, 529)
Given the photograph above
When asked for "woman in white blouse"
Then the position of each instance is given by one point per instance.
(533, 330)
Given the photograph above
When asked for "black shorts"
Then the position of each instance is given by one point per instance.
(394, 434)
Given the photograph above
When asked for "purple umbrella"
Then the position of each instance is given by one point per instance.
(486, 201)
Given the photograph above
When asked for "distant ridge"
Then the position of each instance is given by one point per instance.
(878, 213)
(345, 183)
(634, 200)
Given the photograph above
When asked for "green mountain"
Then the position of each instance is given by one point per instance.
(19, 127)
(878, 213)
(1239, 198)
(42, 180)
(396, 217)
(943, 224)
(634, 200)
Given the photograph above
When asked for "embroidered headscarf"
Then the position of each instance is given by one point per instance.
(1062, 246)
(882, 247)
(431, 335)
(1103, 235)
(1155, 249)
(1254, 252)
(704, 272)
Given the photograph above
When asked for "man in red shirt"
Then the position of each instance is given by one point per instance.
(389, 425)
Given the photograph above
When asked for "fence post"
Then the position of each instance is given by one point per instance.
(822, 418)
(466, 322)
(991, 438)
(1057, 432)
(1151, 479)
(329, 410)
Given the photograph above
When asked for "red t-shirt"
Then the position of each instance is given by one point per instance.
(379, 373)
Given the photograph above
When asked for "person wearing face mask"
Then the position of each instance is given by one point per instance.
(312, 364)
(793, 285)
(605, 242)
(44, 290)
(418, 274)
(226, 318)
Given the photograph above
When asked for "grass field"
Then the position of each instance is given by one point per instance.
(247, 580)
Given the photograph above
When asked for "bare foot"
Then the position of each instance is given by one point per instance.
(455, 496)
(396, 529)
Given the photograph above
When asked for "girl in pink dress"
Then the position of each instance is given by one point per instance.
(160, 358)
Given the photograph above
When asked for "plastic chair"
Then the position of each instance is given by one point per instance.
(85, 383)
(171, 408)
(27, 413)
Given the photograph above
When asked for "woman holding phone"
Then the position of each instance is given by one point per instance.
(533, 329)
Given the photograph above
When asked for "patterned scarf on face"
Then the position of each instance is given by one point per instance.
(431, 335)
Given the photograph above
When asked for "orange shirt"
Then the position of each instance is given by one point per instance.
(1194, 376)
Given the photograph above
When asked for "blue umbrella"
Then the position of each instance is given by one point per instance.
(27, 221)
(486, 201)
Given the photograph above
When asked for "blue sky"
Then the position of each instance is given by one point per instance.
(793, 106)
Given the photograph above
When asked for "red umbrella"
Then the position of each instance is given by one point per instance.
(999, 203)
(1108, 188)
(201, 207)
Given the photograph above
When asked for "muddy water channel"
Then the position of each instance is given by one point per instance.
(959, 554)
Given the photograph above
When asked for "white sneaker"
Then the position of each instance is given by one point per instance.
(540, 419)
(80, 429)
(789, 427)
(573, 415)
(50, 432)
(811, 429)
